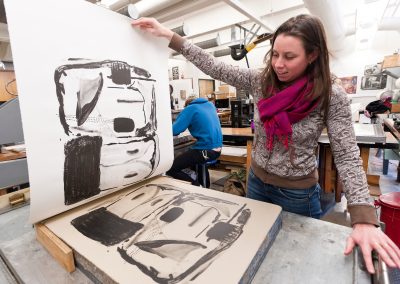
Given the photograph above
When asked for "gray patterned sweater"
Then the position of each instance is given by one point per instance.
(301, 163)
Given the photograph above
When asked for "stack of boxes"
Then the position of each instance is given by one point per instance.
(225, 92)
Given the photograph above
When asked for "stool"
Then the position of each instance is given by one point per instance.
(201, 169)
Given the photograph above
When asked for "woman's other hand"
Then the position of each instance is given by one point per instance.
(370, 238)
(153, 27)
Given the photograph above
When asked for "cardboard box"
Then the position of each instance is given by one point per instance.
(219, 95)
(391, 61)
(227, 89)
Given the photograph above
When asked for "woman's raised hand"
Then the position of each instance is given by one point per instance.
(153, 27)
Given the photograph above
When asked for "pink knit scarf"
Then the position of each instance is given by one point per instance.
(284, 108)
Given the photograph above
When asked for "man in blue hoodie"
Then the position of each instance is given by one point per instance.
(201, 118)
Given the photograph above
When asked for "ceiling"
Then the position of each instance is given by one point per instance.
(206, 18)
(353, 12)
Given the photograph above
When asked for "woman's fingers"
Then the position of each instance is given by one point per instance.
(384, 254)
(366, 252)
(350, 244)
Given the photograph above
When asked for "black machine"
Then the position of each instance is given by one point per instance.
(241, 113)
(239, 51)
(222, 103)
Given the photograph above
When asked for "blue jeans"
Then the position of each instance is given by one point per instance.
(305, 202)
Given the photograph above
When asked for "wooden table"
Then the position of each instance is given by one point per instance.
(242, 133)
(6, 155)
(327, 170)
(389, 124)
(224, 116)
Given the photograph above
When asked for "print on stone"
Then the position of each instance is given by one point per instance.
(168, 233)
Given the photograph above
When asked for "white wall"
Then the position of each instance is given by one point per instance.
(351, 61)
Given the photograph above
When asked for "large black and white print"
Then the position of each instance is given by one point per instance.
(373, 82)
(108, 111)
(373, 69)
(91, 93)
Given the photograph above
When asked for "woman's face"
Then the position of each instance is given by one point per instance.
(289, 59)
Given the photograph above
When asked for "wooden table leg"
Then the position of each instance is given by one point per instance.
(338, 189)
(328, 170)
(248, 161)
(371, 179)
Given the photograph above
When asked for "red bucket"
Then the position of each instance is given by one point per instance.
(390, 214)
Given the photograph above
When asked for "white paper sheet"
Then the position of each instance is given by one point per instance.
(234, 151)
(94, 99)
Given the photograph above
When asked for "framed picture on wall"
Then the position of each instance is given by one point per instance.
(175, 73)
(349, 84)
(374, 69)
(373, 82)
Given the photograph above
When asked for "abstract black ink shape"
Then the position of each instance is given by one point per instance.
(87, 97)
(81, 168)
(123, 124)
(171, 215)
(120, 73)
(223, 232)
(105, 227)
(141, 72)
(244, 216)
(61, 71)
(174, 249)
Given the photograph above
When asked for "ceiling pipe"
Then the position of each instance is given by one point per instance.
(182, 8)
(130, 11)
(210, 43)
(242, 9)
(329, 11)
(389, 24)
(222, 52)
(148, 8)
(206, 44)
(181, 30)
(121, 4)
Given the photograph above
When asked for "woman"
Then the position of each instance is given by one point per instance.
(295, 99)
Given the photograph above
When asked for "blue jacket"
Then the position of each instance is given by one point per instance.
(201, 118)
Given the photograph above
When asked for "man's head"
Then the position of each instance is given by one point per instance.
(190, 99)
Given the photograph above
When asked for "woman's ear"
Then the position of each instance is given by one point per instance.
(313, 56)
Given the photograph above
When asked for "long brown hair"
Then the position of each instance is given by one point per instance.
(310, 31)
